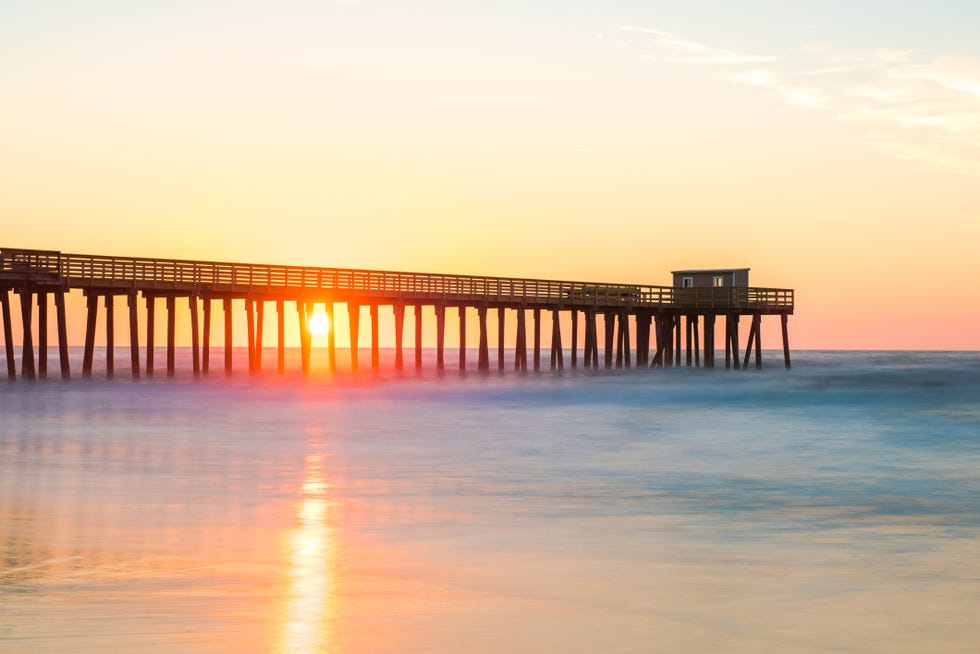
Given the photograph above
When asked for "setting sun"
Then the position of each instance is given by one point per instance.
(319, 324)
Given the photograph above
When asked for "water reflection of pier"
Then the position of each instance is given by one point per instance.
(655, 326)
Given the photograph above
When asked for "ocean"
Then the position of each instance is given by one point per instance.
(834, 507)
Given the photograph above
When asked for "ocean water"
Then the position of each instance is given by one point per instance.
(831, 508)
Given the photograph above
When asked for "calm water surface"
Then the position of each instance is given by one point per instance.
(832, 508)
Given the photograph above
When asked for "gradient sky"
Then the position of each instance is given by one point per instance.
(832, 147)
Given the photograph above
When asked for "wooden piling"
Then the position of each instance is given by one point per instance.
(709, 340)
(27, 369)
(627, 347)
(574, 353)
(171, 335)
(93, 310)
(399, 310)
(62, 320)
(132, 301)
(250, 332)
(206, 337)
(375, 345)
(259, 324)
(110, 344)
(226, 305)
(697, 344)
(281, 335)
(501, 341)
(331, 338)
(609, 320)
(483, 360)
(520, 348)
(462, 337)
(150, 305)
(619, 340)
(42, 335)
(689, 345)
(748, 347)
(678, 329)
(784, 319)
(734, 319)
(195, 337)
(440, 310)
(757, 319)
(537, 338)
(418, 336)
(8, 336)
(306, 339)
(556, 353)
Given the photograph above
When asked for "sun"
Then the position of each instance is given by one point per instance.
(318, 324)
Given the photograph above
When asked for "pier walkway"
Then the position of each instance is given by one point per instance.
(668, 324)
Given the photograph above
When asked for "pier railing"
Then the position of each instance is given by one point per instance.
(161, 275)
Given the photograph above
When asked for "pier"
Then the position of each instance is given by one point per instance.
(642, 325)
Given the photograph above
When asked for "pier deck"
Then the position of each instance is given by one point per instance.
(40, 273)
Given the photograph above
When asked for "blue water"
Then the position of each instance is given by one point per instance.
(834, 507)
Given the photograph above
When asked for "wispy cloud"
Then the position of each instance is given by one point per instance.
(915, 107)
(674, 49)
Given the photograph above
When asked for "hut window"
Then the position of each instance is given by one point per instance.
(718, 280)
(687, 282)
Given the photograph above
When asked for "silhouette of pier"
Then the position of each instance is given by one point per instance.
(670, 325)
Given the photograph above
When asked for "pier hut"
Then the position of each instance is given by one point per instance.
(711, 277)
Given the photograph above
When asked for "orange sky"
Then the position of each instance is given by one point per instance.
(601, 143)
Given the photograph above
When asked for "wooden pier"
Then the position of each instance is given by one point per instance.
(672, 326)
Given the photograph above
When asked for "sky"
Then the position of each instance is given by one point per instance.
(832, 147)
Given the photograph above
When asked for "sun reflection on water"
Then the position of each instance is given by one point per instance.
(311, 602)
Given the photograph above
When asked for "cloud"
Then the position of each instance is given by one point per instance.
(916, 107)
(666, 47)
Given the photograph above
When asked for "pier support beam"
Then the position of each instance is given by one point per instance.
(250, 332)
(709, 340)
(557, 361)
(399, 310)
(731, 334)
(619, 340)
(8, 336)
(331, 338)
(27, 370)
(608, 322)
(520, 345)
(375, 356)
(678, 328)
(697, 343)
(150, 305)
(753, 341)
(93, 310)
(574, 352)
(42, 335)
(195, 336)
(110, 341)
(483, 359)
(440, 310)
(281, 335)
(206, 337)
(501, 338)
(418, 337)
(462, 338)
(134, 335)
(354, 317)
(689, 345)
(306, 339)
(259, 323)
(171, 335)
(784, 319)
(537, 339)
(62, 320)
(226, 306)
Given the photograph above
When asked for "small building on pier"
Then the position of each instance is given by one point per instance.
(711, 278)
